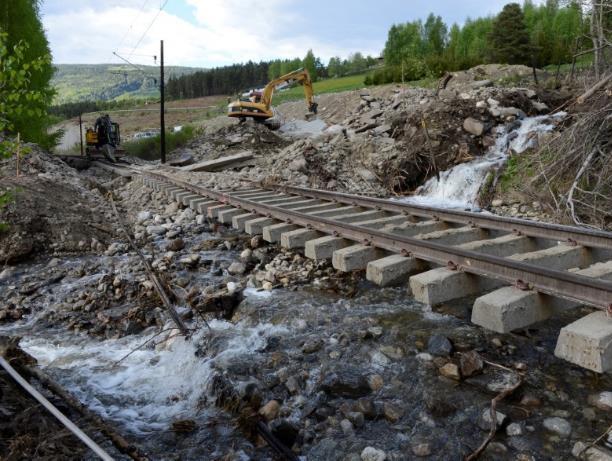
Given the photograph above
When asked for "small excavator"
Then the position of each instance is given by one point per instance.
(104, 138)
(258, 105)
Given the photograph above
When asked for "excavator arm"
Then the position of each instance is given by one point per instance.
(300, 76)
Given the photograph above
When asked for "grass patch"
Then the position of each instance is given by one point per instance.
(330, 85)
(150, 148)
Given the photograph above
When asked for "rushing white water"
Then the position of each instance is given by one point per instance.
(151, 387)
(458, 187)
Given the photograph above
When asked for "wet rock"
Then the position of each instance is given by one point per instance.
(420, 448)
(175, 245)
(356, 418)
(191, 260)
(376, 382)
(256, 241)
(267, 286)
(270, 410)
(514, 429)
(392, 412)
(143, 216)
(450, 370)
(312, 345)
(293, 385)
(236, 268)
(246, 255)
(374, 332)
(603, 400)
(285, 431)
(473, 126)
(345, 381)
(366, 407)
(439, 345)
(7, 273)
(583, 451)
(530, 401)
(438, 405)
(156, 230)
(373, 454)
(484, 422)
(558, 425)
(347, 427)
(326, 449)
(471, 363)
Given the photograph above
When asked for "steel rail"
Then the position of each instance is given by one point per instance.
(562, 284)
(97, 449)
(574, 235)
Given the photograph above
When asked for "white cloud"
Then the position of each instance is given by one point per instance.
(223, 32)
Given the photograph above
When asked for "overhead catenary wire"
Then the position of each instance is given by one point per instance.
(132, 23)
(161, 8)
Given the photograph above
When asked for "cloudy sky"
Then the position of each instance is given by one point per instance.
(208, 33)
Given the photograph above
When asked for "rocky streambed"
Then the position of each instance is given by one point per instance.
(337, 368)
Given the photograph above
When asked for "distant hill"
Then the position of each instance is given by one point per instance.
(104, 82)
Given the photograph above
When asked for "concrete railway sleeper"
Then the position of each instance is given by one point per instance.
(462, 254)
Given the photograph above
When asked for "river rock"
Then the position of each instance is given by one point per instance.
(312, 345)
(191, 260)
(450, 370)
(366, 406)
(175, 245)
(356, 418)
(392, 412)
(373, 454)
(439, 345)
(270, 410)
(345, 381)
(143, 216)
(156, 230)
(420, 448)
(603, 400)
(558, 425)
(484, 422)
(514, 429)
(471, 363)
(236, 268)
(7, 273)
(473, 126)
(346, 426)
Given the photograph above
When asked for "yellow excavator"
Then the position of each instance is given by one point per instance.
(259, 103)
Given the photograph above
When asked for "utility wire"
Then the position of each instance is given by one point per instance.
(132, 23)
(161, 8)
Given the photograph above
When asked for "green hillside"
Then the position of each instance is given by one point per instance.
(81, 82)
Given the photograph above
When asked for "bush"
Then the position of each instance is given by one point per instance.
(150, 148)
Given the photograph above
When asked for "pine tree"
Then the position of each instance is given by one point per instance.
(510, 37)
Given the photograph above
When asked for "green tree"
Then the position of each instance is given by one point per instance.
(509, 38)
(334, 67)
(309, 63)
(20, 22)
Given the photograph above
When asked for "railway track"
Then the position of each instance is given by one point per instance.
(518, 271)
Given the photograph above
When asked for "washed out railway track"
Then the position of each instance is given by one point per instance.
(520, 271)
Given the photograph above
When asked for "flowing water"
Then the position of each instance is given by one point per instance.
(458, 187)
(145, 382)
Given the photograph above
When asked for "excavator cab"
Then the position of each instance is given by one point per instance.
(259, 104)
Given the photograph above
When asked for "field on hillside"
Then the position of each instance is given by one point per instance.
(330, 85)
(103, 82)
(146, 117)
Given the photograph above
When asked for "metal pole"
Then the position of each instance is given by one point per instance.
(81, 132)
(162, 122)
(55, 412)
